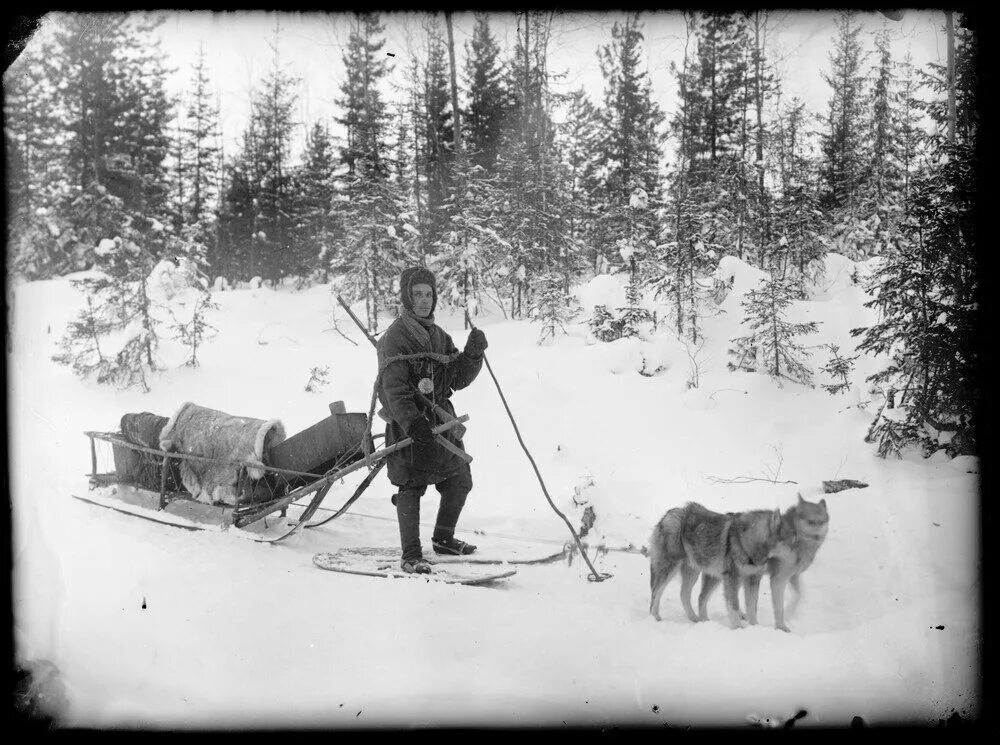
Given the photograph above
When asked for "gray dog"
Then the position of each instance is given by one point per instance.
(731, 547)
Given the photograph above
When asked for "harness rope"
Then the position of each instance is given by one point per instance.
(594, 575)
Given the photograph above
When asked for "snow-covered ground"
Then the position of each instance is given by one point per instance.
(151, 626)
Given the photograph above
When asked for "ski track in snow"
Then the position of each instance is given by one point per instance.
(237, 634)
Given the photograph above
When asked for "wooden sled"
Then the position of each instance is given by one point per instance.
(336, 445)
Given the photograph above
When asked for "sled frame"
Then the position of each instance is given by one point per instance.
(246, 514)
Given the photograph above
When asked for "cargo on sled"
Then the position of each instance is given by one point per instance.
(201, 460)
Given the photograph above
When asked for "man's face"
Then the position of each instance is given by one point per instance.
(423, 298)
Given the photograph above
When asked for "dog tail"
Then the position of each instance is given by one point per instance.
(665, 543)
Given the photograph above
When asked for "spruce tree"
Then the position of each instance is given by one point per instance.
(200, 139)
(438, 135)
(630, 144)
(579, 151)
(115, 337)
(487, 96)
(39, 239)
(773, 342)
(369, 204)
(552, 309)
(926, 290)
(273, 111)
(316, 228)
(844, 144)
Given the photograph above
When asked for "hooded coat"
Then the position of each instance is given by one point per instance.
(413, 466)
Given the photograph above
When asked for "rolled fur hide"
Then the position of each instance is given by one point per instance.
(196, 430)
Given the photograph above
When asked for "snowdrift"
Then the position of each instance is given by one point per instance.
(149, 626)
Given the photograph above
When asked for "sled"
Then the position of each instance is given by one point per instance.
(305, 465)
(385, 562)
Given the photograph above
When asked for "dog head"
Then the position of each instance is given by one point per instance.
(758, 530)
(811, 519)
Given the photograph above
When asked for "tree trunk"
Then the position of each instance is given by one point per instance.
(454, 86)
(950, 23)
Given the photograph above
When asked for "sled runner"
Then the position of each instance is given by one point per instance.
(272, 474)
(384, 562)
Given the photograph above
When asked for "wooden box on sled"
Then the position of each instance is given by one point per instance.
(334, 441)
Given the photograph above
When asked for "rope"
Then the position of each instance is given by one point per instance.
(594, 576)
(442, 358)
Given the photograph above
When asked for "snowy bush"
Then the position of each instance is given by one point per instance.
(838, 368)
(318, 379)
(115, 337)
(553, 308)
(772, 343)
(603, 325)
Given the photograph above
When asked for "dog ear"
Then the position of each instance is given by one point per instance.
(822, 503)
(801, 500)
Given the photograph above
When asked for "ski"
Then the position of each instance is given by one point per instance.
(384, 562)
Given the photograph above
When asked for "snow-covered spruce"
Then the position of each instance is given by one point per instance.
(773, 342)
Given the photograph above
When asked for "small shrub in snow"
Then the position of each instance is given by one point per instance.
(603, 325)
(838, 368)
(318, 379)
(633, 314)
(772, 343)
(193, 332)
(115, 337)
(553, 309)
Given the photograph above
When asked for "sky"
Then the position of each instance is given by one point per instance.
(238, 48)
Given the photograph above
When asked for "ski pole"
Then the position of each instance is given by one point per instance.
(595, 576)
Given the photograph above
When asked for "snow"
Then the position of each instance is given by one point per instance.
(106, 246)
(237, 634)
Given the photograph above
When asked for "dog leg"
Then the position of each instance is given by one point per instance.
(795, 581)
(689, 576)
(708, 585)
(751, 589)
(778, 582)
(660, 573)
(731, 587)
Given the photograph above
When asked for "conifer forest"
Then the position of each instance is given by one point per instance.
(465, 156)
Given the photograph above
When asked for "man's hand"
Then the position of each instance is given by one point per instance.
(476, 344)
(420, 432)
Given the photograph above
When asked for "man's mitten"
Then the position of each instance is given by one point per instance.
(420, 432)
(476, 344)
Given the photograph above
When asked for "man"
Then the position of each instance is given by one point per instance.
(405, 390)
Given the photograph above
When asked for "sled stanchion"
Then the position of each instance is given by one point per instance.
(163, 481)
(240, 485)
(594, 575)
(93, 460)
